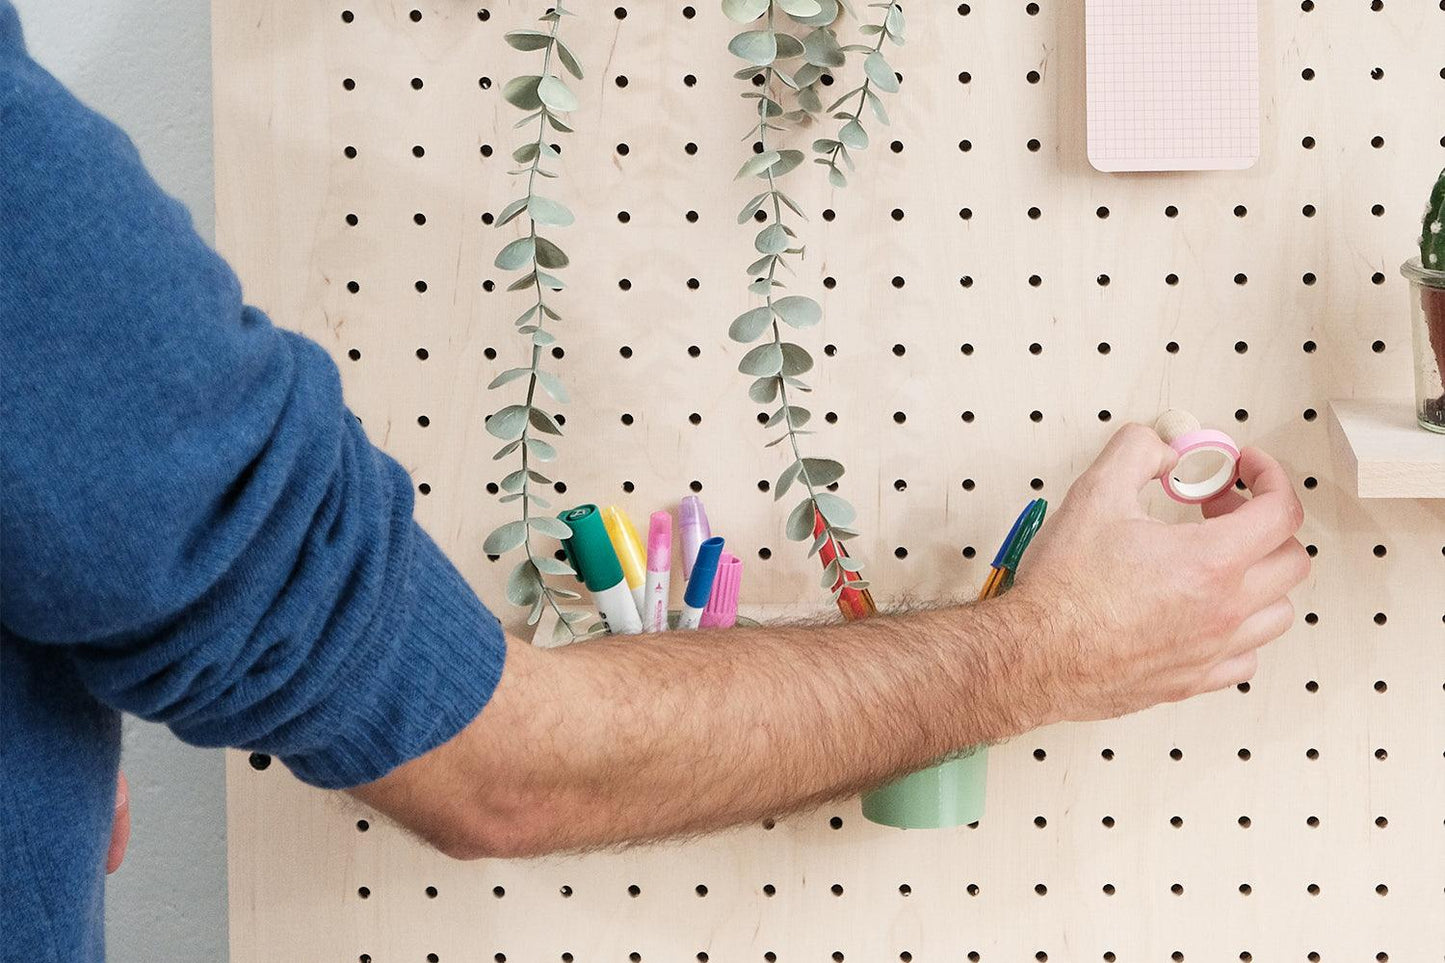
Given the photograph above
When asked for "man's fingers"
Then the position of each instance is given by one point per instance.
(1257, 526)
(1134, 457)
(120, 827)
(1231, 672)
(1263, 627)
(1227, 501)
(1276, 575)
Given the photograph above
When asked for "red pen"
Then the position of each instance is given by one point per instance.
(853, 603)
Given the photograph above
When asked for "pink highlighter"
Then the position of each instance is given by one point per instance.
(659, 572)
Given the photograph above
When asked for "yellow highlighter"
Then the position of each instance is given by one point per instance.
(629, 551)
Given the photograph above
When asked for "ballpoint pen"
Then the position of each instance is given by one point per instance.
(1006, 562)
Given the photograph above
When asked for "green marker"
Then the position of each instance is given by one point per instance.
(592, 554)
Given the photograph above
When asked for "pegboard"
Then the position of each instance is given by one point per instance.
(995, 310)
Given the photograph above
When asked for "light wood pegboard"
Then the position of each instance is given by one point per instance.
(1329, 772)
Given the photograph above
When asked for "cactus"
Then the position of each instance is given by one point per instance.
(1432, 293)
(1432, 233)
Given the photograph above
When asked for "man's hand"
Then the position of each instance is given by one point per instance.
(661, 735)
(1159, 612)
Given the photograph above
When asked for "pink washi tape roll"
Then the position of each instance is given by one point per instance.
(1208, 459)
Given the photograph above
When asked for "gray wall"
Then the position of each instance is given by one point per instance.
(146, 64)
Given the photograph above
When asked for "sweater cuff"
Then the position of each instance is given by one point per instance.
(418, 684)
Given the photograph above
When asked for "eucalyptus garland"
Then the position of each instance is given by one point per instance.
(775, 364)
(878, 75)
(545, 97)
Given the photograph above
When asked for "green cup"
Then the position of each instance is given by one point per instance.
(950, 793)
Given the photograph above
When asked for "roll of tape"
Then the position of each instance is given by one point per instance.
(1208, 465)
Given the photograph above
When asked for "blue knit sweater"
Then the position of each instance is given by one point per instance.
(193, 528)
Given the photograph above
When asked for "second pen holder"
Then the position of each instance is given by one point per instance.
(946, 794)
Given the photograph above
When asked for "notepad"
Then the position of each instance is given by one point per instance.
(1173, 84)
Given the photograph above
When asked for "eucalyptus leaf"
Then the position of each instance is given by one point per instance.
(758, 164)
(548, 565)
(821, 49)
(505, 538)
(553, 386)
(524, 585)
(772, 239)
(879, 110)
(511, 211)
(544, 422)
(788, 48)
(513, 481)
(507, 449)
(849, 564)
(800, 8)
(752, 207)
(564, 54)
(508, 376)
(744, 11)
(798, 311)
(762, 265)
(796, 417)
(877, 68)
(894, 23)
(763, 361)
(836, 510)
(786, 479)
(522, 92)
(796, 359)
(827, 14)
(836, 177)
(822, 471)
(762, 287)
(550, 255)
(758, 47)
(550, 526)
(541, 450)
(525, 281)
(551, 213)
(507, 423)
(853, 135)
(818, 543)
(764, 391)
(746, 328)
(787, 161)
(800, 521)
(542, 338)
(556, 95)
(517, 254)
(526, 40)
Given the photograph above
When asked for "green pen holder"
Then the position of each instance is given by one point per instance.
(950, 793)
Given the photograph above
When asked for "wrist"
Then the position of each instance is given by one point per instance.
(1025, 671)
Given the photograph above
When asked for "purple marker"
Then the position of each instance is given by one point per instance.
(692, 519)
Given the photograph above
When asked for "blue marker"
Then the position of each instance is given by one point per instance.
(699, 586)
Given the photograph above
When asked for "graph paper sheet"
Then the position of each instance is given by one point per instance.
(1173, 85)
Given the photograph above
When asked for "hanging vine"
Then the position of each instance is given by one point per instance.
(545, 98)
(776, 365)
(878, 76)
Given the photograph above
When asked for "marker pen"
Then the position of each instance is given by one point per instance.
(695, 530)
(592, 555)
(722, 606)
(629, 551)
(659, 572)
(699, 587)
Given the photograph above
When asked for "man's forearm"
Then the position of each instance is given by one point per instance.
(637, 738)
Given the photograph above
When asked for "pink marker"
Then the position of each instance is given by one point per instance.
(695, 531)
(722, 605)
(659, 572)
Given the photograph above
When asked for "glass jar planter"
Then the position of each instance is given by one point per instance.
(1427, 310)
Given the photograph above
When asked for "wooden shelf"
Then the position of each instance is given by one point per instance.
(1383, 453)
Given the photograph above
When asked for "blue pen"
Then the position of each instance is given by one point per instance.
(699, 586)
(1008, 542)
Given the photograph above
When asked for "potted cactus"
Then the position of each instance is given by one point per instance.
(1427, 298)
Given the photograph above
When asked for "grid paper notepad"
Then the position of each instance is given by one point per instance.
(1173, 84)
